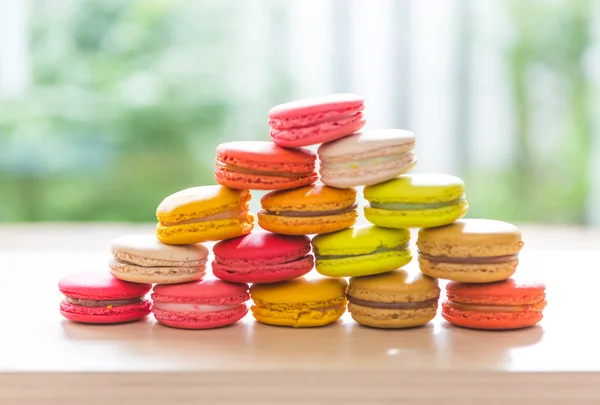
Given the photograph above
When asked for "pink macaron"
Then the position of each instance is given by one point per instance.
(101, 298)
(262, 257)
(203, 304)
(316, 120)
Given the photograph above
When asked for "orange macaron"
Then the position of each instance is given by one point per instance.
(308, 210)
(508, 304)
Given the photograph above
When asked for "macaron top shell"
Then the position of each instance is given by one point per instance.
(147, 246)
(205, 291)
(508, 292)
(263, 245)
(366, 141)
(300, 290)
(472, 232)
(204, 199)
(101, 286)
(265, 152)
(359, 240)
(309, 198)
(417, 188)
(313, 105)
(398, 281)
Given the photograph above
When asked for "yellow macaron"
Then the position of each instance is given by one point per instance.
(308, 210)
(300, 302)
(416, 201)
(398, 299)
(201, 214)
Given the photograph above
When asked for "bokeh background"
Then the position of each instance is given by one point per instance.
(108, 106)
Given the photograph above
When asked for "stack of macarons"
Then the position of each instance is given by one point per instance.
(480, 257)
(174, 260)
(308, 222)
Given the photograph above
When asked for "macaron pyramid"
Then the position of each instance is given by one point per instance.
(312, 201)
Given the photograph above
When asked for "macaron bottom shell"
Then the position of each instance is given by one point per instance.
(264, 273)
(490, 320)
(174, 278)
(307, 225)
(105, 315)
(299, 315)
(363, 265)
(318, 133)
(197, 232)
(364, 176)
(468, 273)
(423, 218)
(208, 320)
(245, 181)
(391, 318)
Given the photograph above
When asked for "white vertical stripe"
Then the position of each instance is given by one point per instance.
(14, 48)
(434, 33)
(310, 47)
(372, 59)
(593, 69)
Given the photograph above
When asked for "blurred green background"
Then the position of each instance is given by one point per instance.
(127, 101)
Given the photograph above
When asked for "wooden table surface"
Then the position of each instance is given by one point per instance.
(45, 359)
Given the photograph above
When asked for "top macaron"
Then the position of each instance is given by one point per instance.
(256, 165)
(316, 120)
(366, 158)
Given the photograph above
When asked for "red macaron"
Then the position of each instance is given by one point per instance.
(508, 304)
(204, 304)
(262, 257)
(102, 298)
(316, 120)
(256, 165)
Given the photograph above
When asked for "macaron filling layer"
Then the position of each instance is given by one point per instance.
(394, 305)
(244, 268)
(237, 212)
(316, 119)
(128, 267)
(376, 251)
(193, 308)
(310, 214)
(370, 162)
(419, 206)
(470, 260)
(497, 308)
(102, 303)
(245, 170)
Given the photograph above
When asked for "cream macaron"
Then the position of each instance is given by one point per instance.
(366, 158)
(144, 259)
